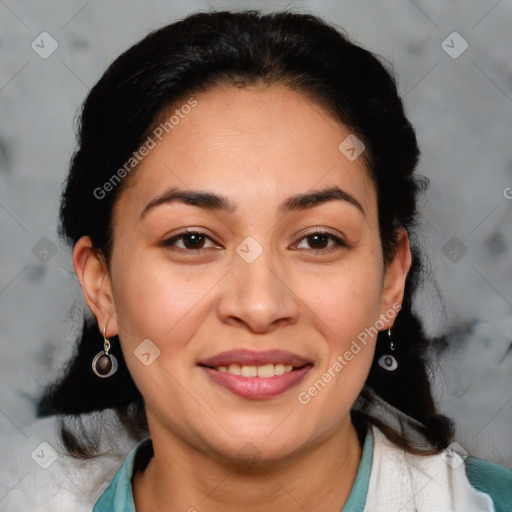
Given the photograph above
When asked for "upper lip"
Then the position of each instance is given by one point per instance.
(245, 357)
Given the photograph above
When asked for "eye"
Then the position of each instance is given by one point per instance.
(192, 241)
(318, 239)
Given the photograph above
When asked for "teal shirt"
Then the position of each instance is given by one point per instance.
(485, 476)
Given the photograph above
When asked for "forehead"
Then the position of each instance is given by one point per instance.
(252, 144)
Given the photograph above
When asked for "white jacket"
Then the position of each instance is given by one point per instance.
(400, 481)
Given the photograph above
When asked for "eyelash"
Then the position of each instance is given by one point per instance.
(339, 243)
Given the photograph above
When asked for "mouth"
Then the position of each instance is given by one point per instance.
(256, 375)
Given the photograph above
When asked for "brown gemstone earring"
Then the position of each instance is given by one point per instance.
(104, 364)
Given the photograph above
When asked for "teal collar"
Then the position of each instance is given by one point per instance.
(357, 498)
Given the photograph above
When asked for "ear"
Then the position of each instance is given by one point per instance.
(92, 272)
(395, 274)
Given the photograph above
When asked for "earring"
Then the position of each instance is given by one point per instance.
(387, 361)
(104, 364)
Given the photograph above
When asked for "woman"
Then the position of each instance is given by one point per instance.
(242, 207)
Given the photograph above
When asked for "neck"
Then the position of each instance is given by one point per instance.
(179, 477)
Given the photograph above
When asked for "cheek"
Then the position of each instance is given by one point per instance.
(345, 312)
(349, 302)
(155, 300)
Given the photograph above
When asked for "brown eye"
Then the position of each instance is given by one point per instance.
(191, 241)
(319, 241)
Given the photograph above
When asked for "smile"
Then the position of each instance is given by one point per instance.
(256, 375)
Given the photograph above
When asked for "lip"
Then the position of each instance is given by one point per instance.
(257, 388)
(245, 357)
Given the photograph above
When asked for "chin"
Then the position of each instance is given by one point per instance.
(251, 447)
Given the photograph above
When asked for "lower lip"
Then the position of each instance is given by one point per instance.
(257, 388)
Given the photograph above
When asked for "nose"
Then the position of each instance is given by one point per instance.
(258, 296)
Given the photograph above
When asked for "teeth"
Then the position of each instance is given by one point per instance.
(265, 371)
(249, 371)
(235, 369)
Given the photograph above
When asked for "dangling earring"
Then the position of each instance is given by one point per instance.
(104, 364)
(387, 361)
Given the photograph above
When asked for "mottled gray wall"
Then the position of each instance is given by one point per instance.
(460, 104)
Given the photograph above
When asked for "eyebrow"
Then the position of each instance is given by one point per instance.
(212, 201)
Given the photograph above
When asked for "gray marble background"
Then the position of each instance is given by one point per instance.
(459, 103)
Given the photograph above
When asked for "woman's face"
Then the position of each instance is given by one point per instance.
(257, 288)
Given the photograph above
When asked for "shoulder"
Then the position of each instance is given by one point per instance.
(37, 474)
(444, 481)
(491, 479)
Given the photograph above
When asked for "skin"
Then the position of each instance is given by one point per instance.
(257, 146)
